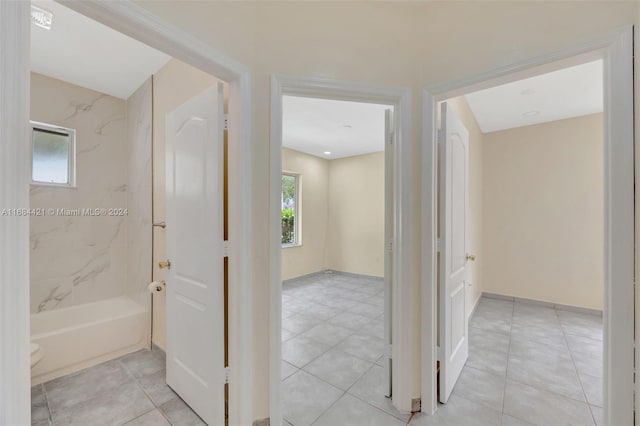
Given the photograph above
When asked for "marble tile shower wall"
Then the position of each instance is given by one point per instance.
(81, 259)
(139, 201)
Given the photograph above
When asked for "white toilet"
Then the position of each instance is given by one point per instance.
(36, 353)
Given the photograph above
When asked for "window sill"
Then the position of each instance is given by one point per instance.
(53, 185)
(291, 245)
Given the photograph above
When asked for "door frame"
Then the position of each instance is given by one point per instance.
(128, 18)
(15, 407)
(616, 50)
(402, 306)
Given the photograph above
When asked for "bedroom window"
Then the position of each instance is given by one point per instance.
(290, 210)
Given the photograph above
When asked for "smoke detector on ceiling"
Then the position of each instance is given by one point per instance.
(41, 18)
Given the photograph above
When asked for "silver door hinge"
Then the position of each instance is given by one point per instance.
(225, 248)
(391, 138)
(390, 246)
(438, 245)
(226, 122)
(226, 375)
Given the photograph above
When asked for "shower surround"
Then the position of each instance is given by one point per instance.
(80, 259)
(89, 274)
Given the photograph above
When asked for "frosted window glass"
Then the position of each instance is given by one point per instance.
(50, 156)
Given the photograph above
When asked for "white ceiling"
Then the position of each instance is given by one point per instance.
(567, 93)
(84, 52)
(344, 128)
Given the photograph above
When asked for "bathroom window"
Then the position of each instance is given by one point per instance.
(53, 155)
(290, 210)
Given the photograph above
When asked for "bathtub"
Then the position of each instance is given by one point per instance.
(81, 336)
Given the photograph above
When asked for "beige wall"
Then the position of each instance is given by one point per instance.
(356, 215)
(543, 212)
(412, 51)
(474, 220)
(173, 85)
(342, 214)
(314, 179)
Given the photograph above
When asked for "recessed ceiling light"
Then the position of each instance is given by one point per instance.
(528, 92)
(40, 17)
(327, 153)
(531, 113)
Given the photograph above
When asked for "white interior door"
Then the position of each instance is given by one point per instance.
(195, 248)
(388, 241)
(454, 344)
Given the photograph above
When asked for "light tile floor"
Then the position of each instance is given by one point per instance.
(130, 390)
(332, 334)
(528, 364)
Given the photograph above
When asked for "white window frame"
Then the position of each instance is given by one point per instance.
(71, 161)
(297, 221)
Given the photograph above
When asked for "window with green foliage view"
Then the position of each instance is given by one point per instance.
(289, 210)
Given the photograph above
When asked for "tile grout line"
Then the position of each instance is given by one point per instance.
(367, 402)
(506, 372)
(46, 400)
(353, 332)
(130, 374)
(565, 336)
(542, 389)
(575, 369)
(553, 393)
(329, 349)
(373, 363)
(546, 390)
(329, 407)
(137, 382)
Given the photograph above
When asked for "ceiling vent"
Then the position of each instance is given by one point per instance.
(40, 17)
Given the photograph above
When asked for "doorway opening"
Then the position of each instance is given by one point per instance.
(336, 222)
(522, 164)
(573, 331)
(120, 146)
(337, 153)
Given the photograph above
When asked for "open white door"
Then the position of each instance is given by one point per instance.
(454, 344)
(388, 243)
(195, 250)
